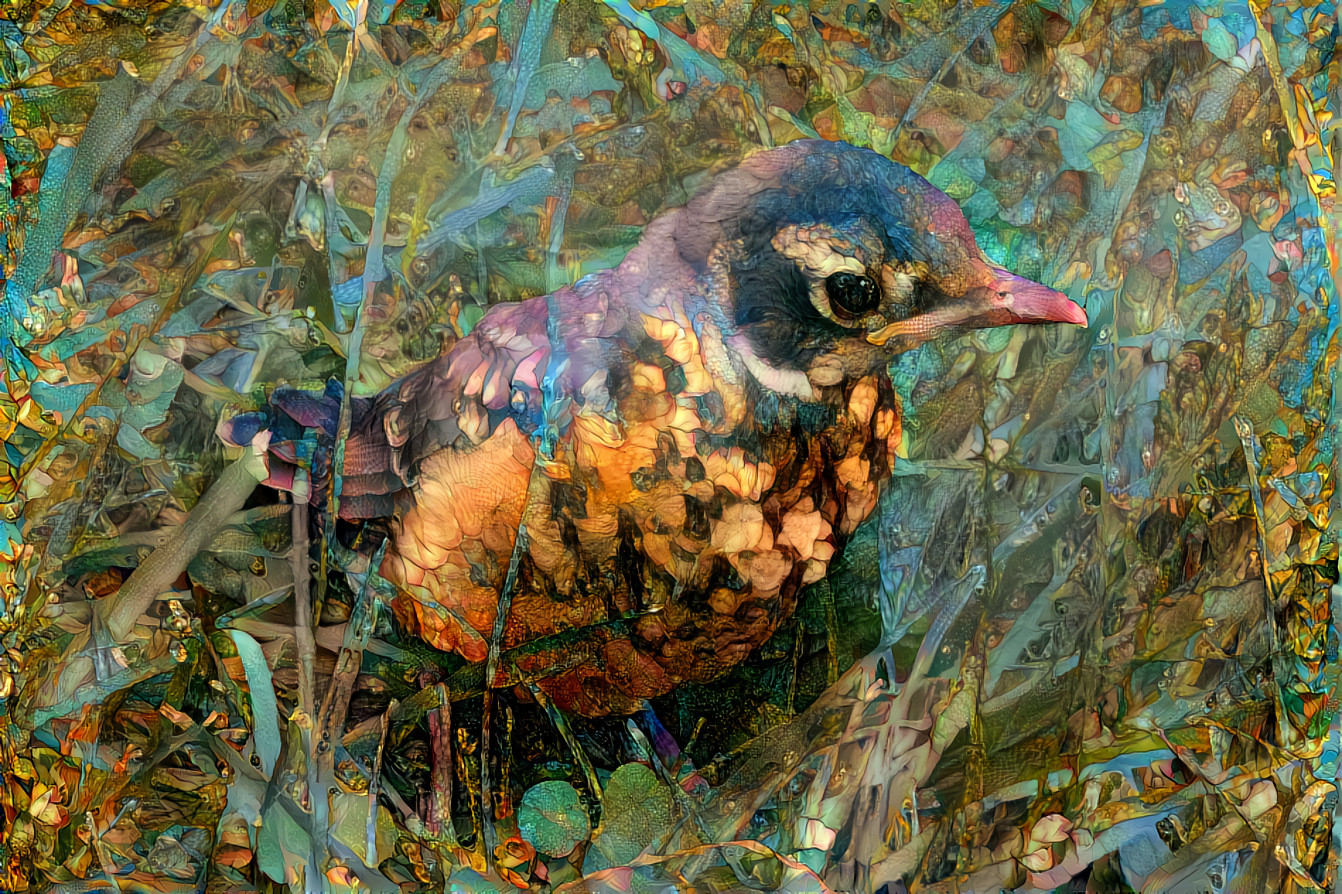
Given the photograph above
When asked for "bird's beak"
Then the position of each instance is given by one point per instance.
(1000, 298)
(1029, 302)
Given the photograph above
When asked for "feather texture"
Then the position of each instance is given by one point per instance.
(687, 439)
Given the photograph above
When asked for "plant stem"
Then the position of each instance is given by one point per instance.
(165, 564)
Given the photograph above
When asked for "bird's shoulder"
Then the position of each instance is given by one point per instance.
(531, 364)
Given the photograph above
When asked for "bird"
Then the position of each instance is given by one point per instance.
(645, 468)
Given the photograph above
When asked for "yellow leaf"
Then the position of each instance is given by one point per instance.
(42, 809)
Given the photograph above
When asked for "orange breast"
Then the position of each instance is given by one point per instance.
(663, 553)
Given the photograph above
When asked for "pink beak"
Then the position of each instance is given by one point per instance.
(1000, 299)
(1026, 301)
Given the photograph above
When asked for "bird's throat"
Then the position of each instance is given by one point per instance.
(785, 382)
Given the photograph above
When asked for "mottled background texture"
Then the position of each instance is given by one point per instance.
(1087, 643)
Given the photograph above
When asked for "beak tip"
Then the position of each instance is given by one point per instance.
(1040, 304)
(1075, 313)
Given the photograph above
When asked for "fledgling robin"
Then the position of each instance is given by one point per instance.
(686, 439)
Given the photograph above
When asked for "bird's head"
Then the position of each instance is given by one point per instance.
(820, 260)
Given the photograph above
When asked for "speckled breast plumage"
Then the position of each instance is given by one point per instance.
(627, 483)
(689, 510)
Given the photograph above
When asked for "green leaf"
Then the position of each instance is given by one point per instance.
(281, 843)
(552, 818)
(471, 315)
(350, 826)
(1219, 40)
(636, 810)
(265, 709)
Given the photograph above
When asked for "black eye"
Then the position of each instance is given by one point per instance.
(852, 295)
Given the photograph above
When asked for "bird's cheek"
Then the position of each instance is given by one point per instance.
(898, 288)
(826, 372)
(897, 282)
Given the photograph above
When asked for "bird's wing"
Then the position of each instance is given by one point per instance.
(458, 401)
(454, 532)
(451, 453)
(533, 363)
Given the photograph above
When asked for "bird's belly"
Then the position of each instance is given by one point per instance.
(648, 559)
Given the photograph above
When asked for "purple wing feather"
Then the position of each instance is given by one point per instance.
(495, 373)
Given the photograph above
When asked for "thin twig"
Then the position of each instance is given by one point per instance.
(491, 669)
(331, 720)
(566, 733)
(307, 662)
(303, 634)
(371, 830)
(1280, 673)
(442, 772)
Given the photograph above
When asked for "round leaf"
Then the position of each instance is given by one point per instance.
(552, 818)
(635, 810)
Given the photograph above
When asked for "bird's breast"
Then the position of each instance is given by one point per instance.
(667, 533)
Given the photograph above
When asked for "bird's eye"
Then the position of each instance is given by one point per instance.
(851, 294)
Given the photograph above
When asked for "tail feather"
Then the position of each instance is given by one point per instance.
(303, 426)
